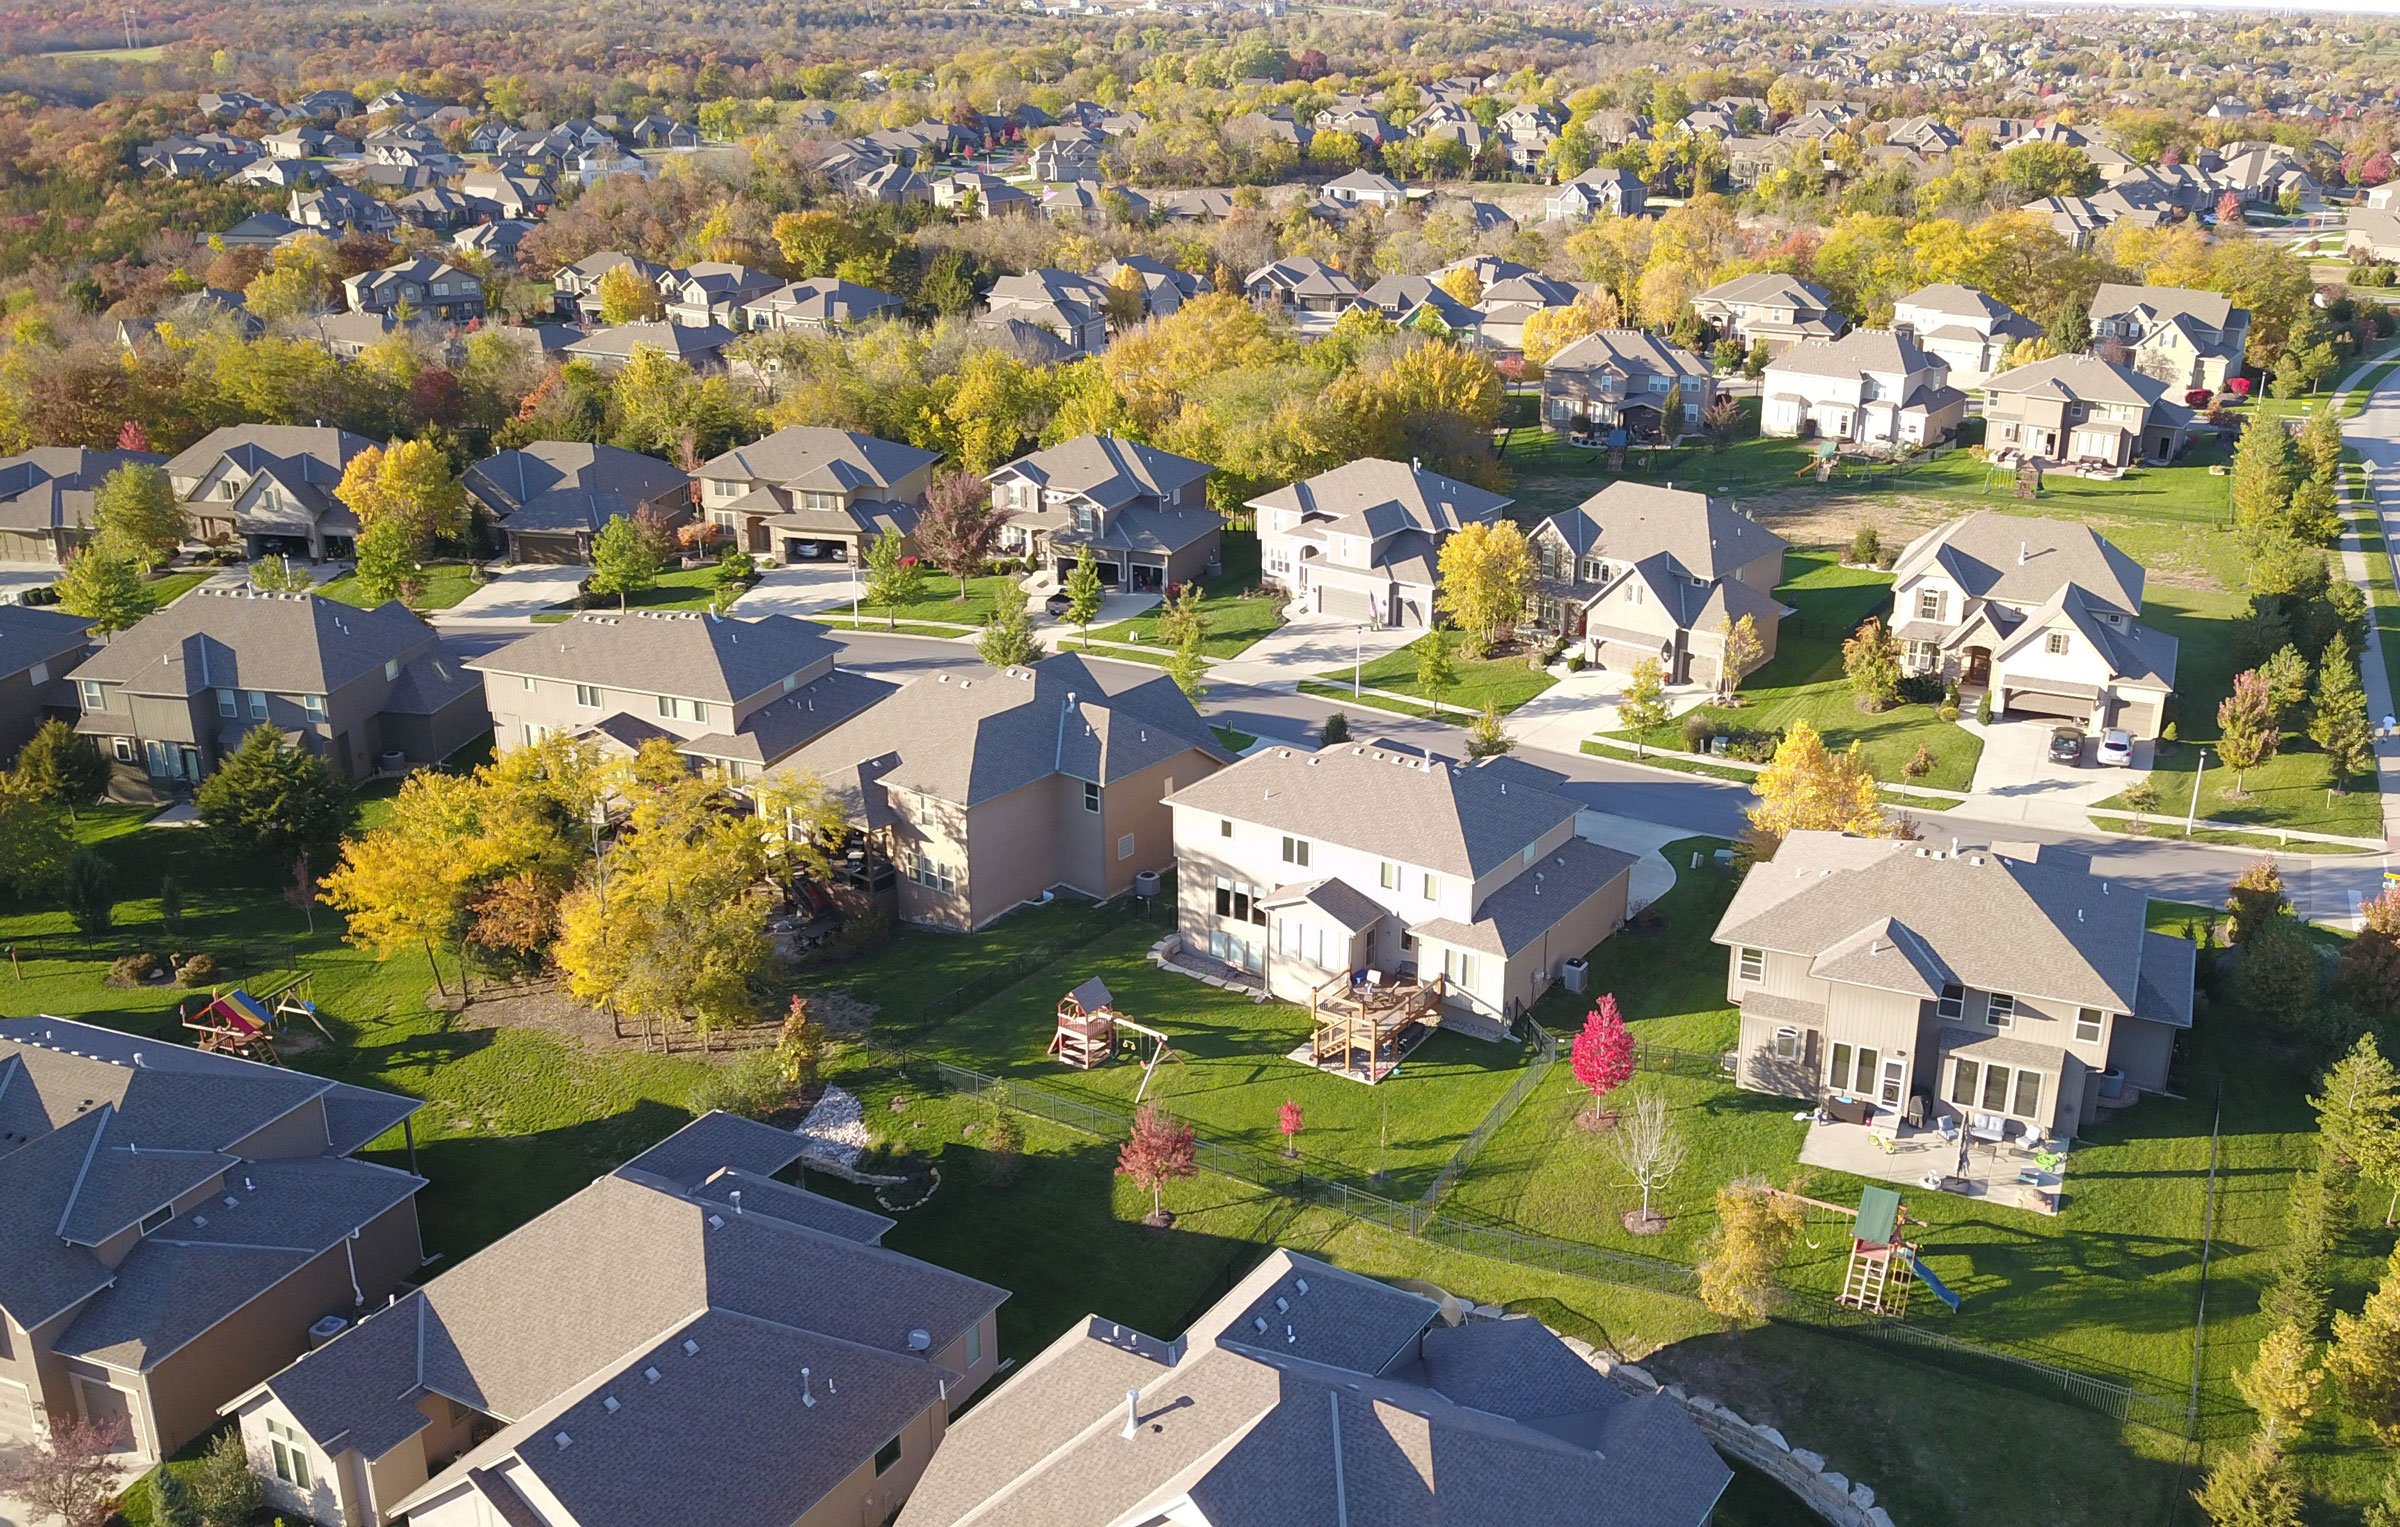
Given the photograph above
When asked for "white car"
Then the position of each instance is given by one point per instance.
(2115, 750)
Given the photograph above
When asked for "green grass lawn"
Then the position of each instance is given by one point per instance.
(1234, 741)
(1506, 678)
(684, 588)
(1804, 680)
(443, 586)
(167, 587)
(938, 601)
(1233, 613)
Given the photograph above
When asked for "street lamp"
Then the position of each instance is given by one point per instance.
(1358, 656)
(2193, 815)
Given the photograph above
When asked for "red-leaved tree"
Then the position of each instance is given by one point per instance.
(1602, 1057)
(71, 1474)
(1287, 1119)
(133, 437)
(959, 527)
(1158, 1152)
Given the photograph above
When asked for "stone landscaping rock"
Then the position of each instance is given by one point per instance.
(1838, 1481)
(1772, 1438)
(1808, 1460)
(1861, 1496)
(1878, 1517)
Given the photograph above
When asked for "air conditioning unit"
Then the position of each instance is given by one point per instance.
(326, 1330)
(1575, 974)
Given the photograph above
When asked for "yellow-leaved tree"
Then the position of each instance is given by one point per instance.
(1742, 1255)
(1808, 787)
(1553, 329)
(408, 483)
(1485, 571)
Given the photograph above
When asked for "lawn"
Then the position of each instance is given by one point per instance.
(444, 584)
(1804, 682)
(1234, 741)
(1233, 612)
(1507, 679)
(683, 588)
(166, 587)
(938, 600)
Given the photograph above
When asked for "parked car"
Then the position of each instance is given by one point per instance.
(2115, 750)
(1057, 605)
(2066, 745)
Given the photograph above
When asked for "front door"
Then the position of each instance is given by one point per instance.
(1979, 668)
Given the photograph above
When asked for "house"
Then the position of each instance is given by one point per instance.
(437, 210)
(739, 695)
(2371, 234)
(1164, 287)
(368, 691)
(1626, 379)
(973, 193)
(1140, 513)
(1509, 302)
(2012, 987)
(1968, 331)
(575, 290)
(699, 346)
(655, 131)
(277, 174)
(1408, 300)
(1642, 572)
(550, 497)
(261, 230)
(1769, 308)
(422, 284)
(38, 648)
(1366, 188)
(2082, 410)
(496, 241)
(1072, 307)
(270, 486)
(687, 1326)
(2187, 339)
(336, 210)
(2042, 614)
(1364, 540)
(1598, 190)
(985, 792)
(176, 1224)
(46, 493)
(826, 305)
(1870, 387)
(1309, 1394)
(1300, 868)
(513, 194)
(1095, 205)
(1303, 286)
(712, 292)
(806, 492)
(348, 336)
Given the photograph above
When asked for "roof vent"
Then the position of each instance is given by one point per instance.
(650, 1375)
(808, 1395)
(1299, 1285)
(1282, 1304)
(1133, 1414)
(1290, 1336)
(691, 1348)
(920, 1340)
(1259, 1325)
(563, 1440)
(608, 1402)
(716, 1222)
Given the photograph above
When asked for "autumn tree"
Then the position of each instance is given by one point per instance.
(1436, 672)
(960, 526)
(1743, 1252)
(1486, 736)
(1486, 569)
(2364, 1359)
(408, 483)
(1808, 788)
(1289, 1121)
(1642, 706)
(1084, 594)
(624, 560)
(1160, 1150)
(1187, 667)
(2368, 977)
(2246, 732)
(271, 801)
(2256, 898)
(515, 918)
(35, 842)
(2281, 1381)
(1602, 1056)
(135, 516)
(70, 1473)
(2357, 1103)
(390, 563)
(1743, 652)
(2265, 470)
(1871, 662)
(105, 590)
(2251, 1485)
(61, 768)
(625, 297)
(1650, 1147)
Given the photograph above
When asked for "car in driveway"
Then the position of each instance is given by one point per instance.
(2066, 745)
(2115, 750)
(1057, 605)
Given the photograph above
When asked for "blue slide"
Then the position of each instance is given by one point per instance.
(1941, 1290)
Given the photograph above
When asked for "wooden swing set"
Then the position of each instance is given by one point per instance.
(1882, 1264)
(1088, 1033)
(236, 1023)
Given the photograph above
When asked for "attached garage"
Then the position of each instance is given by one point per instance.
(106, 1405)
(549, 548)
(1618, 650)
(27, 546)
(2066, 702)
(2140, 714)
(16, 1412)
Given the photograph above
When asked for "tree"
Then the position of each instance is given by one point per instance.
(135, 516)
(626, 298)
(1179, 617)
(1806, 788)
(2281, 1381)
(624, 560)
(2321, 444)
(34, 842)
(2301, 1288)
(1743, 653)
(1871, 661)
(2278, 975)
(1436, 673)
(2246, 732)
(2384, 1510)
(2357, 1103)
(71, 1474)
(800, 1046)
(1008, 640)
(1742, 1255)
(1650, 1148)
(171, 1503)
(1486, 569)
(170, 906)
(2252, 1486)
(1486, 737)
(2368, 976)
(1602, 1055)
(894, 578)
(91, 892)
(1188, 669)
(2286, 674)
(515, 918)
(2364, 1360)
(1159, 1150)
(2338, 723)
(409, 483)
(960, 526)
(389, 561)
(269, 802)
(1084, 594)
(226, 1486)
(2256, 898)
(61, 768)
(1289, 1122)
(105, 590)
(2042, 168)
(1642, 706)
(2265, 470)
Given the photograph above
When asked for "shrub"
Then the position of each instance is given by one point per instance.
(752, 1086)
(2141, 795)
(1921, 689)
(1866, 547)
(199, 970)
(1983, 711)
(1574, 662)
(134, 969)
(1336, 729)
(2169, 734)
(1948, 712)
(1920, 763)
(225, 1487)
(1698, 727)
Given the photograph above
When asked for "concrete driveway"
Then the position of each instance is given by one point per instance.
(1310, 644)
(2015, 779)
(803, 588)
(515, 593)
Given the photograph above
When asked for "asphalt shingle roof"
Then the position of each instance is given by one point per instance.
(1630, 522)
(2024, 560)
(696, 654)
(246, 639)
(809, 457)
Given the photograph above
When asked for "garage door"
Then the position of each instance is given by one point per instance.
(2032, 702)
(2139, 717)
(16, 1411)
(545, 550)
(107, 1405)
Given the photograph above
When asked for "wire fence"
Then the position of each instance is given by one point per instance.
(1528, 1077)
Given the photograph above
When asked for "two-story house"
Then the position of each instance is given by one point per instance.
(1638, 571)
(827, 305)
(807, 493)
(1510, 299)
(1300, 867)
(2011, 987)
(1141, 513)
(550, 497)
(1769, 308)
(270, 487)
(1626, 379)
(365, 690)
(984, 791)
(2083, 412)
(46, 511)
(177, 1223)
(1869, 387)
(1364, 540)
(1366, 188)
(2186, 339)
(1303, 286)
(1966, 330)
(421, 285)
(38, 649)
(1598, 191)
(575, 290)
(699, 346)
(1071, 307)
(337, 209)
(1164, 287)
(2041, 613)
(688, 1336)
(712, 292)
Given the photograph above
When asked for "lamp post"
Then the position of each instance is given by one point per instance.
(1358, 657)
(2193, 815)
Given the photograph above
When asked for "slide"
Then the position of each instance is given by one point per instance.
(1940, 1290)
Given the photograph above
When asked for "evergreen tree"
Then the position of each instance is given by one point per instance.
(269, 802)
(2339, 722)
(1084, 594)
(91, 893)
(1008, 639)
(170, 906)
(2364, 1359)
(59, 767)
(2251, 1486)
(2265, 470)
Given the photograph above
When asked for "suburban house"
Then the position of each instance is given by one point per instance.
(1638, 571)
(421, 285)
(1302, 868)
(1303, 286)
(38, 649)
(1869, 387)
(550, 497)
(1141, 513)
(826, 305)
(2082, 411)
(178, 1224)
(2011, 987)
(576, 288)
(271, 488)
(686, 1327)
(699, 346)
(1626, 379)
(737, 694)
(986, 792)
(1164, 287)
(1509, 302)
(2372, 234)
(1073, 308)
(1308, 1394)
(807, 492)
(1365, 188)
(2043, 614)
(46, 499)
(1597, 191)
(1412, 300)
(2186, 339)
(1966, 330)
(1769, 308)
(712, 292)
(368, 691)
(1364, 540)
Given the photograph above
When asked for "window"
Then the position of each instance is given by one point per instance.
(258, 705)
(1295, 851)
(1929, 604)
(229, 704)
(1091, 796)
(94, 697)
(291, 1458)
(123, 747)
(1953, 1003)
(1787, 1044)
(887, 1455)
(1125, 846)
(1224, 827)
(1433, 885)
(1750, 964)
(1301, 941)
(156, 1219)
(2055, 643)
(2011, 1090)
(931, 875)
(1388, 876)
(588, 696)
(2087, 1025)
(2000, 1010)
(2029, 1094)
(974, 1345)
(314, 705)
(1458, 968)
(668, 707)
(1853, 1070)
(1962, 1084)
(699, 710)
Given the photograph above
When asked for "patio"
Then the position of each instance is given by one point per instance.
(1922, 1157)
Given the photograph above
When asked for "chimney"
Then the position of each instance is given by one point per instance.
(1133, 1419)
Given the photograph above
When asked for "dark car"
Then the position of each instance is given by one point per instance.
(2066, 745)
(1057, 605)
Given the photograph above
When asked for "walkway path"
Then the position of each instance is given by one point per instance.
(2375, 435)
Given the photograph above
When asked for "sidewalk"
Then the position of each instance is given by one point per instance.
(2375, 436)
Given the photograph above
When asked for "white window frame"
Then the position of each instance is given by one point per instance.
(2055, 644)
(588, 696)
(258, 704)
(94, 693)
(1295, 851)
(1750, 964)
(1999, 1010)
(1091, 796)
(2090, 1024)
(314, 705)
(1787, 1044)
(229, 703)
(1929, 604)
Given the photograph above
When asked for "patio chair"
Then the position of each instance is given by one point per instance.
(1949, 1127)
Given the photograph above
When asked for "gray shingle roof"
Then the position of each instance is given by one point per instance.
(1531, 904)
(2213, 309)
(1380, 497)
(1629, 522)
(1109, 471)
(691, 653)
(682, 341)
(1769, 286)
(825, 460)
(2024, 560)
(1858, 353)
(807, 713)
(246, 639)
(2085, 377)
(51, 487)
(569, 485)
(29, 636)
(1628, 352)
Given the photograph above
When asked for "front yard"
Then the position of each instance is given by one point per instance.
(444, 584)
(1508, 679)
(1233, 611)
(938, 601)
(682, 588)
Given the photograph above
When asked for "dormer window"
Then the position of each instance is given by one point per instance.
(157, 1219)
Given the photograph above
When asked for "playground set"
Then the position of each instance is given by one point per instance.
(234, 1022)
(1883, 1264)
(1091, 1032)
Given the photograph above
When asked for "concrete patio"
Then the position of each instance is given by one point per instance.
(1923, 1158)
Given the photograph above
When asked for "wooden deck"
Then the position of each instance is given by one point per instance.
(1364, 1032)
